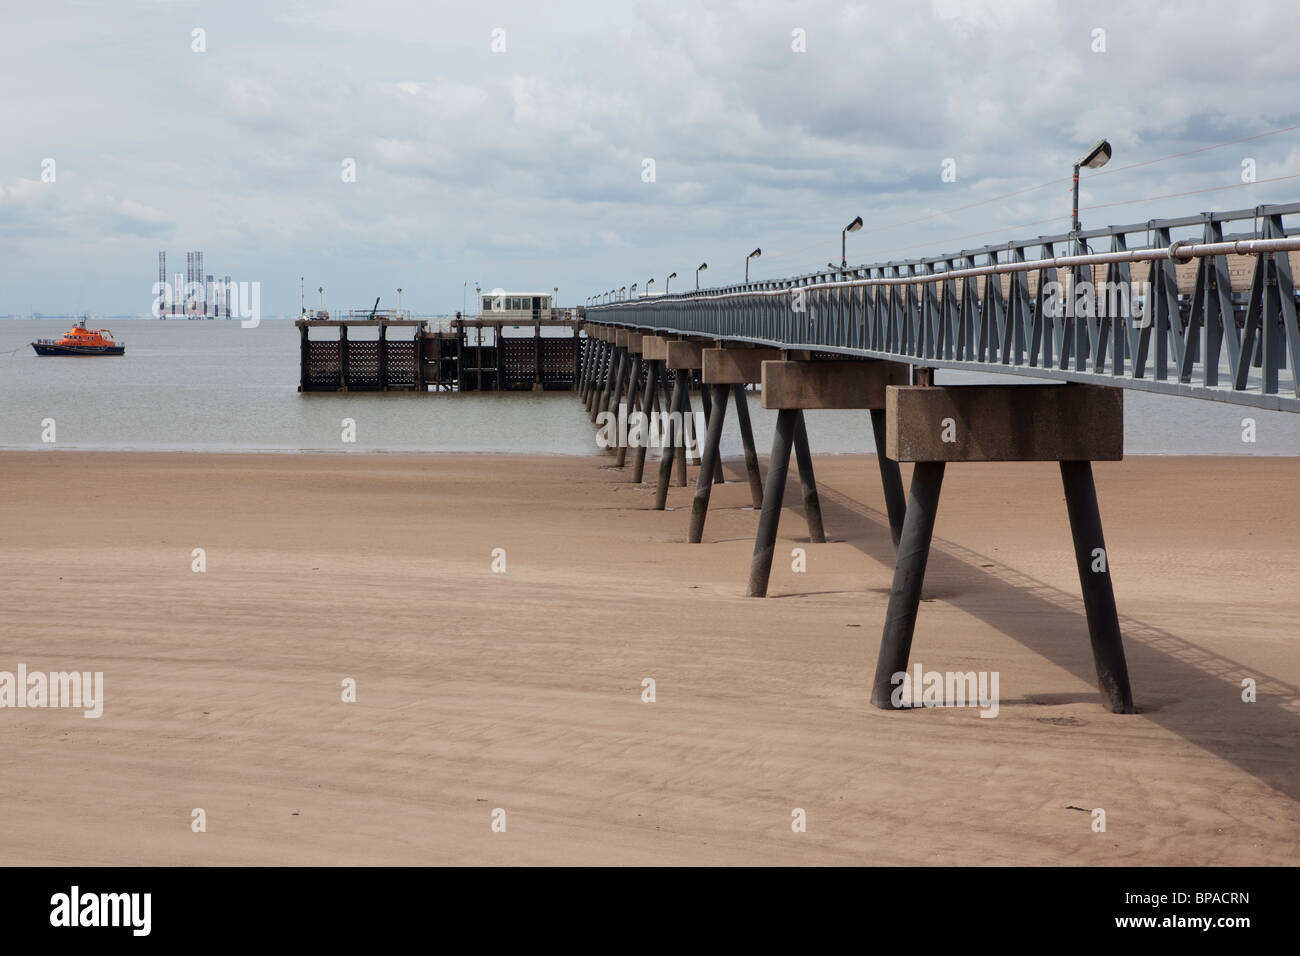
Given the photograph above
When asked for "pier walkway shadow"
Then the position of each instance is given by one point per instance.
(1004, 598)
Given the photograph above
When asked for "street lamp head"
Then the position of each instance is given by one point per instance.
(703, 266)
(1096, 157)
(755, 254)
(671, 275)
(854, 226)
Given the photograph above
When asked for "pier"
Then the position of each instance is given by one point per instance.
(482, 354)
(1177, 306)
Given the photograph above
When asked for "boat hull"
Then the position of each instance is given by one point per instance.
(42, 349)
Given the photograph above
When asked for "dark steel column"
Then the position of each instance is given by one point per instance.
(812, 505)
(687, 412)
(707, 399)
(633, 380)
(1098, 595)
(760, 569)
(600, 377)
(344, 361)
(620, 375)
(747, 438)
(592, 350)
(712, 452)
(909, 574)
(891, 478)
(602, 402)
(649, 408)
(672, 437)
(305, 360)
(583, 353)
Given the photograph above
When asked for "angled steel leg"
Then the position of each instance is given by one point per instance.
(687, 412)
(673, 437)
(708, 459)
(891, 478)
(634, 379)
(747, 439)
(909, 574)
(648, 409)
(778, 465)
(1094, 577)
(812, 505)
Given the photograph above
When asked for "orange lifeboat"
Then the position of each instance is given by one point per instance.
(81, 341)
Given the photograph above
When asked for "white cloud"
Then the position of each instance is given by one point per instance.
(527, 164)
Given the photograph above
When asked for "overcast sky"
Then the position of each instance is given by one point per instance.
(525, 168)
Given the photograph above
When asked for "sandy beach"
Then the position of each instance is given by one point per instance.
(522, 690)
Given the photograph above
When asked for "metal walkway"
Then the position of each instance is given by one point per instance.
(1179, 306)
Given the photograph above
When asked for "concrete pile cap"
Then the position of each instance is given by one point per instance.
(1071, 422)
(830, 384)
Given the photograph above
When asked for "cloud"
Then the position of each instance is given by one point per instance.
(523, 168)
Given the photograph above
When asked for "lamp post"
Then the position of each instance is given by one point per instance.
(622, 292)
(648, 284)
(854, 226)
(1094, 158)
(633, 295)
(703, 266)
(753, 255)
(399, 301)
(671, 277)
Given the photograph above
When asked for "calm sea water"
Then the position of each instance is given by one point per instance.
(214, 386)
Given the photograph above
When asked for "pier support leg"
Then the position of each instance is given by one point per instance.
(593, 370)
(672, 438)
(633, 380)
(706, 397)
(601, 387)
(909, 574)
(747, 439)
(1098, 595)
(687, 413)
(305, 357)
(812, 505)
(648, 407)
(665, 403)
(584, 367)
(891, 478)
(616, 386)
(778, 465)
(601, 380)
(615, 372)
(344, 361)
(708, 460)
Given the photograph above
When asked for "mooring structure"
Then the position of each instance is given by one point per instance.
(1186, 307)
(481, 354)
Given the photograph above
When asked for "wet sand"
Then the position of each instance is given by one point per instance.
(522, 690)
